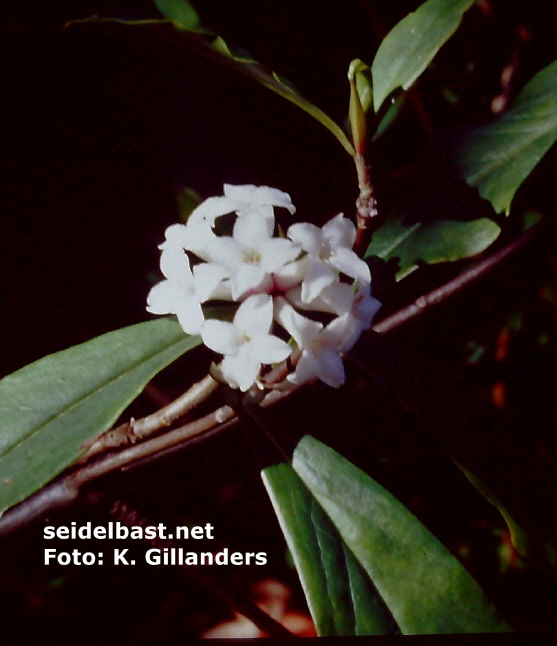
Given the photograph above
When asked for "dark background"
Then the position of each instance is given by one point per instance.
(105, 125)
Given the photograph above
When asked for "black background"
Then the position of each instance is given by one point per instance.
(103, 127)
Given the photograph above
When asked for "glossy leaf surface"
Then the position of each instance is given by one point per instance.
(179, 11)
(52, 407)
(416, 243)
(425, 588)
(340, 596)
(498, 157)
(411, 45)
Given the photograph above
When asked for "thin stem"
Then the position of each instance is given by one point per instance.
(130, 455)
(134, 430)
(66, 489)
(467, 277)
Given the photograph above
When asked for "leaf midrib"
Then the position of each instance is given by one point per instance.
(401, 239)
(89, 394)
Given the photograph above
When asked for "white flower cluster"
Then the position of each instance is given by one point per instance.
(279, 280)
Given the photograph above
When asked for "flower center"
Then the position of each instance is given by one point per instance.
(325, 252)
(318, 344)
(251, 257)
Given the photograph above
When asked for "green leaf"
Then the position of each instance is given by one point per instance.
(51, 407)
(470, 432)
(340, 596)
(179, 11)
(430, 242)
(411, 45)
(389, 117)
(498, 157)
(208, 44)
(425, 588)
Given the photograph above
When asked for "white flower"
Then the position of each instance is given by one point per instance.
(354, 309)
(321, 346)
(178, 238)
(365, 307)
(351, 324)
(329, 250)
(183, 291)
(244, 200)
(337, 298)
(250, 256)
(253, 266)
(246, 342)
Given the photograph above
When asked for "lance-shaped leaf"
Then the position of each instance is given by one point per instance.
(470, 433)
(51, 407)
(416, 243)
(411, 45)
(341, 598)
(208, 44)
(498, 157)
(425, 588)
(180, 11)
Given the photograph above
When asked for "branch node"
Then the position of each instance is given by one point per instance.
(367, 213)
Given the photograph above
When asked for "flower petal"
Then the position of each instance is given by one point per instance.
(337, 298)
(267, 348)
(365, 306)
(255, 315)
(277, 252)
(221, 336)
(308, 236)
(223, 291)
(173, 297)
(165, 297)
(254, 227)
(175, 264)
(319, 276)
(290, 274)
(333, 334)
(339, 232)
(342, 333)
(190, 316)
(306, 368)
(210, 209)
(331, 368)
(350, 264)
(206, 278)
(175, 235)
(302, 329)
(241, 369)
(249, 278)
(224, 251)
(249, 194)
